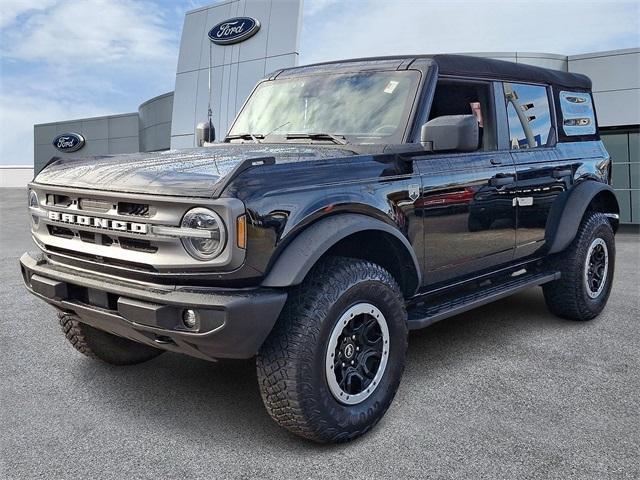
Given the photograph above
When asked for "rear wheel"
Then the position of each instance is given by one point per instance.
(331, 367)
(586, 268)
(105, 346)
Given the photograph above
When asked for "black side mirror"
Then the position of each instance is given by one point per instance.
(451, 132)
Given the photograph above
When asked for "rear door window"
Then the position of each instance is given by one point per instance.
(528, 114)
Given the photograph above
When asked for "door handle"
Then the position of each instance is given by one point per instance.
(495, 161)
(561, 172)
(501, 180)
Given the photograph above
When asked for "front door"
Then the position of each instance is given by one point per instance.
(466, 205)
(466, 200)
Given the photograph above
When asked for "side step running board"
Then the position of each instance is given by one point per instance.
(429, 313)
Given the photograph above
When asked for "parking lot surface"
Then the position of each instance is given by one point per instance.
(505, 391)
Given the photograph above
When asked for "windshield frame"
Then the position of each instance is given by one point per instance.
(405, 125)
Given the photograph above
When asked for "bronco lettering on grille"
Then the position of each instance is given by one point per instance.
(98, 222)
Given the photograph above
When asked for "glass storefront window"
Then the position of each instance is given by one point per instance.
(624, 149)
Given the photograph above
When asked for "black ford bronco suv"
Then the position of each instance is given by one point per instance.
(350, 202)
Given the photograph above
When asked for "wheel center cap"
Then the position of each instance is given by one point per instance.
(349, 349)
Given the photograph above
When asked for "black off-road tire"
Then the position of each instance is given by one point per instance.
(291, 363)
(568, 297)
(105, 346)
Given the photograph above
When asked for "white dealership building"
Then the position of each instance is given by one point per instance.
(228, 46)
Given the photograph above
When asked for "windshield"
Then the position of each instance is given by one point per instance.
(366, 107)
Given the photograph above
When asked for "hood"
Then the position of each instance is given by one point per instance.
(191, 172)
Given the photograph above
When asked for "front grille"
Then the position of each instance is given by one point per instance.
(59, 200)
(88, 237)
(104, 239)
(91, 205)
(61, 232)
(135, 209)
(137, 245)
(110, 233)
(99, 259)
(101, 231)
(96, 238)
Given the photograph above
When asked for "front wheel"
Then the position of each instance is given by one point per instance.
(586, 269)
(332, 365)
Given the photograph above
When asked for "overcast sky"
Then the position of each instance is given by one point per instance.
(66, 59)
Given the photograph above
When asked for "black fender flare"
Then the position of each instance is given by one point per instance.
(298, 257)
(569, 209)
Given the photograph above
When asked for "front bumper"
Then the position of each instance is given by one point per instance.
(231, 323)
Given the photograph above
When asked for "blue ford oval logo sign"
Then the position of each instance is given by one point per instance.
(69, 142)
(234, 30)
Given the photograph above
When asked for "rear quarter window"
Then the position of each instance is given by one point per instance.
(578, 117)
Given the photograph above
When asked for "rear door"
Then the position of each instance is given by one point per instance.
(542, 173)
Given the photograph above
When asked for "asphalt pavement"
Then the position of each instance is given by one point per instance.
(506, 391)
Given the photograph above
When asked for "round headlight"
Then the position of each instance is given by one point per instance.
(212, 242)
(33, 202)
(33, 199)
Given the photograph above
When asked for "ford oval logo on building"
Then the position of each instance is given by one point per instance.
(69, 142)
(234, 30)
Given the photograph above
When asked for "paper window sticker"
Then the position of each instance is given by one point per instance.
(391, 86)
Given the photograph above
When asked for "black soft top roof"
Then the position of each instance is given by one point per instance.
(458, 65)
(486, 67)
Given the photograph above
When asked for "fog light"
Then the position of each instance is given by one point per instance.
(189, 318)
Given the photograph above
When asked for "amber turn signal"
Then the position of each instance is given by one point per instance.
(241, 231)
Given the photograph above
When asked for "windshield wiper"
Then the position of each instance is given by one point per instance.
(277, 128)
(256, 137)
(338, 139)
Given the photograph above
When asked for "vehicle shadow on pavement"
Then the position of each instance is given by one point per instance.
(220, 402)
